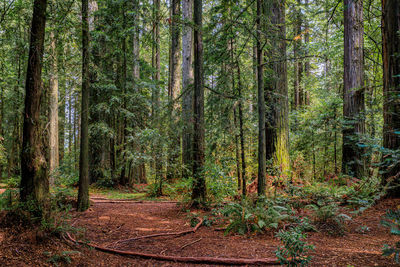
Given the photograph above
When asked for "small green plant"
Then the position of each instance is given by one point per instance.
(295, 249)
(328, 218)
(63, 257)
(392, 221)
(247, 217)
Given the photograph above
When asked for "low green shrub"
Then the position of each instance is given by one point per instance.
(248, 216)
(327, 218)
(392, 221)
(295, 249)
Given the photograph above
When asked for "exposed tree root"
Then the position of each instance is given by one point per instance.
(205, 260)
(163, 234)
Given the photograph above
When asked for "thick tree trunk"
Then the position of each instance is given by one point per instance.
(187, 87)
(34, 176)
(277, 117)
(83, 193)
(53, 109)
(261, 107)
(199, 182)
(391, 89)
(174, 90)
(353, 91)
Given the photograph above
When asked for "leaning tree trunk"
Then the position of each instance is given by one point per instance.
(199, 182)
(353, 91)
(34, 176)
(391, 89)
(187, 87)
(173, 90)
(261, 106)
(53, 109)
(83, 194)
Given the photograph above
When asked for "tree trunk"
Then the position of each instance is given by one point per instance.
(156, 93)
(83, 194)
(298, 65)
(173, 90)
(353, 91)
(199, 182)
(237, 152)
(277, 122)
(53, 109)
(261, 107)
(391, 88)
(34, 176)
(241, 132)
(187, 87)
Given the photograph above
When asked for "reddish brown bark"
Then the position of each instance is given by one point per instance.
(391, 88)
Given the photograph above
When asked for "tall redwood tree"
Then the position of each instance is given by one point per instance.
(34, 177)
(391, 89)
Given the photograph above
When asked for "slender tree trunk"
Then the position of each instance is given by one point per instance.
(53, 109)
(34, 176)
(241, 132)
(187, 85)
(307, 67)
(174, 90)
(199, 182)
(83, 194)
(298, 65)
(391, 89)
(261, 107)
(156, 93)
(237, 151)
(353, 91)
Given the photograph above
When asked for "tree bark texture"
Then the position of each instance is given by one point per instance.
(174, 90)
(391, 88)
(53, 109)
(199, 182)
(187, 86)
(353, 91)
(276, 95)
(261, 106)
(83, 193)
(34, 177)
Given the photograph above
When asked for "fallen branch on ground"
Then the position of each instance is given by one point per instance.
(96, 200)
(205, 260)
(191, 243)
(162, 234)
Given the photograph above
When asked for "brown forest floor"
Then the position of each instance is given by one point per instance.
(106, 223)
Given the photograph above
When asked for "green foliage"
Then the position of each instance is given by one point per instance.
(247, 217)
(180, 190)
(63, 257)
(392, 221)
(67, 173)
(295, 249)
(328, 218)
(219, 184)
(13, 182)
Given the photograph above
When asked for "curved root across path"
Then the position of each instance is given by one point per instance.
(205, 260)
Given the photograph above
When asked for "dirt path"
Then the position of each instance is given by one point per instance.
(106, 223)
(109, 222)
